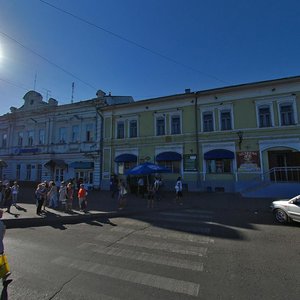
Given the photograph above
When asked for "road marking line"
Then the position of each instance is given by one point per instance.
(155, 281)
(152, 258)
(165, 246)
(187, 215)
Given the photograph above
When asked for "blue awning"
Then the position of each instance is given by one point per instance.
(219, 154)
(168, 156)
(126, 157)
(82, 165)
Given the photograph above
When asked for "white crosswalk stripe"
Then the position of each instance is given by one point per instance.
(161, 282)
(183, 244)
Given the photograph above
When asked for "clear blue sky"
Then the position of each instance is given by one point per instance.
(214, 43)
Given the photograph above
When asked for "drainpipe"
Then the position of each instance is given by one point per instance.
(100, 145)
(197, 141)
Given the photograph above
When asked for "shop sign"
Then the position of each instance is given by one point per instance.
(248, 161)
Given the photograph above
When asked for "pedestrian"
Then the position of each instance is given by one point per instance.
(150, 196)
(41, 194)
(1, 192)
(63, 195)
(52, 195)
(141, 189)
(113, 185)
(15, 191)
(46, 197)
(6, 271)
(156, 189)
(70, 193)
(7, 197)
(82, 193)
(178, 190)
(122, 199)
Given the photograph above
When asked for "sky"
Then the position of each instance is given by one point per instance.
(142, 48)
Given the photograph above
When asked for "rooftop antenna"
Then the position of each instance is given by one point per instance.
(73, 86)
(34, 84)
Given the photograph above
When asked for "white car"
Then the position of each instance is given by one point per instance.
(287, 210)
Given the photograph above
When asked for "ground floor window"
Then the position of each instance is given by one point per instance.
(219, 166)
(18, 172)
(59, 175)
(174, 166)
(39, 173)
(123, 167)
(84, 176)
(28, 172)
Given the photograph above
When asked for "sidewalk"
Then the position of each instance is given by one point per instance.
(101, 204)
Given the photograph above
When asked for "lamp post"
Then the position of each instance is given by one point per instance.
(240, 135)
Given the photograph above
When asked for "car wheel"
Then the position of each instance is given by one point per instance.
(281, 216)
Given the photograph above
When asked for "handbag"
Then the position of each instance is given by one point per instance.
(4, 266)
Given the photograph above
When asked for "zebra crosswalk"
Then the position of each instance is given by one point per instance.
(159, 247)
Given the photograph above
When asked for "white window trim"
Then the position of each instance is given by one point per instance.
(202, 119)
(259, 104)
(287, 100)
(116, 130)
(137, 127)
(163, 115)
(177, 113)
(222, 109)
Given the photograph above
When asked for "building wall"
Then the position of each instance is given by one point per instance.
(244, 104)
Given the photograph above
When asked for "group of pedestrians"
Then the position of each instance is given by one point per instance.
(49, 195)
(8, 194)
(152, 191)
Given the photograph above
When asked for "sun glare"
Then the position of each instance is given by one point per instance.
(1, 53)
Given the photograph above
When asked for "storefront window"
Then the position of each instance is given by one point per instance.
(219, 166)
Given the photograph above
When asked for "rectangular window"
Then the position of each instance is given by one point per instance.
(133, 128)
(30, 137)
(287, 114)
(218, 166)
(264, 116)
(226, 120)
(59, 175)
(175, 125)
(28, 172)
(208, 121)
(18, 172)
(41, 136)
(62, 134)
(120, 130)
(4, 140)
(160, 126)
(20, 138)
(89, 136)
(174, 166)
(75, 133)
(39, 172)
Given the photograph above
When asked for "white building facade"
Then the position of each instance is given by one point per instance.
(46, 141)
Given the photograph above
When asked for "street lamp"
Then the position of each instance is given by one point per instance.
(240, 136)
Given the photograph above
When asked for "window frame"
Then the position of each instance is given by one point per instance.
(130, 128)
(262, 103)
(30, 137)
(292, 104)
(179, 126)
(227, 111)
(89, 132)
(120, 132)
(160, 117)
(213, 120)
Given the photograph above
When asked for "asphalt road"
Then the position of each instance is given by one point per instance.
(188, 254)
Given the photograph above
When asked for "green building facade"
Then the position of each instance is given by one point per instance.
(223, 139)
